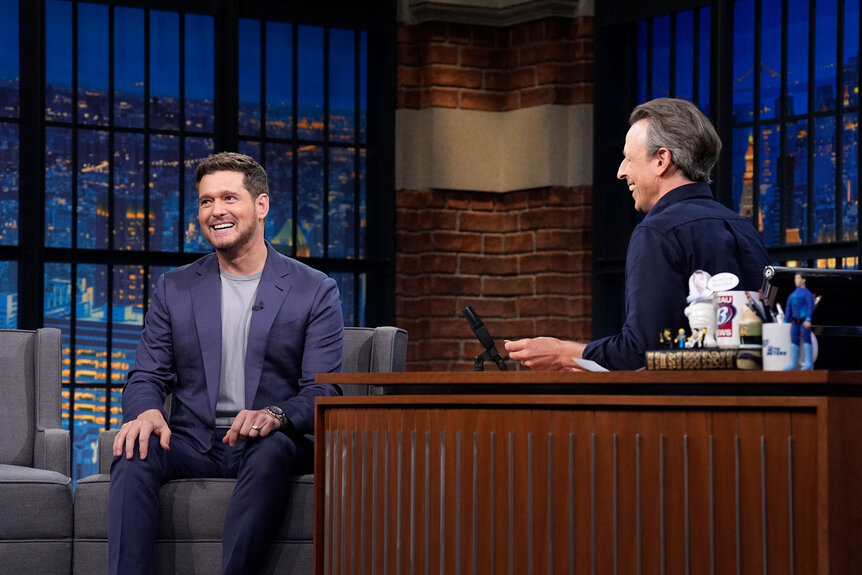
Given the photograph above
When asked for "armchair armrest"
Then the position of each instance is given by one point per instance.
(51, 450)
(104, 450)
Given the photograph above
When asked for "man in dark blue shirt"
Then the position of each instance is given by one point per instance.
(669, 152)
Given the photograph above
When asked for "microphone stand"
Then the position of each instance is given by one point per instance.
(489, 354)
(481, 333)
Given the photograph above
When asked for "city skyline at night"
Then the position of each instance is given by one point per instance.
(785, 149)
(98, 228)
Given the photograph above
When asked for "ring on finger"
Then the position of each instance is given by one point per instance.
(256, 427)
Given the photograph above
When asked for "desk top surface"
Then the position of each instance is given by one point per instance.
(641, 377)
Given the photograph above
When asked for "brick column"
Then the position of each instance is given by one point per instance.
(482, 68)
(521, 257)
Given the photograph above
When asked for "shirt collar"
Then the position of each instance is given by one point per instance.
(684, 192)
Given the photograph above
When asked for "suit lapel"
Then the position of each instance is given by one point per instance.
(272, 290)
(206, 299)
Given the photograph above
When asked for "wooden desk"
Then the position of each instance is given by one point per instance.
(625, 472)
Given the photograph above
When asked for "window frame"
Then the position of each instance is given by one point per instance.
(377, 19)
(616, 94)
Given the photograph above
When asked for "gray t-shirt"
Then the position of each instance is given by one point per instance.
(237, 299)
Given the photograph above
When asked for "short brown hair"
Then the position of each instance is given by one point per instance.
(253, 175)
(681, 127)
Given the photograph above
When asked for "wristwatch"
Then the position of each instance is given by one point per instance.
(278, 413)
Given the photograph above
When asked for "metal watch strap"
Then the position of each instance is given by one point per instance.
(281, 417)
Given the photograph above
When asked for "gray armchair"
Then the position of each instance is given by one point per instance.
(192, 511)
(35, 487)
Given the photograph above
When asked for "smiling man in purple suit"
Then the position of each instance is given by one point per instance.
(237, 337)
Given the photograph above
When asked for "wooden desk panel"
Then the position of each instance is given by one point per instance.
(492, 484)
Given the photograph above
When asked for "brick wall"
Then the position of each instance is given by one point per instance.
(521, 259)
(481, 68)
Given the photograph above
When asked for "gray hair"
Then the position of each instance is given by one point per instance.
(253, 175)
(682, 128)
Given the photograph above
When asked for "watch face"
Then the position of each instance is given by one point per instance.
(276, 410)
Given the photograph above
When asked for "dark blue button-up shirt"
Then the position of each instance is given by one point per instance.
(686, 230)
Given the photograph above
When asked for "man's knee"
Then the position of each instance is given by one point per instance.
(275, 445)
(154, 463)
(275, 453)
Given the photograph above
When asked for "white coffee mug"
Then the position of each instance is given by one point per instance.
(776, 346)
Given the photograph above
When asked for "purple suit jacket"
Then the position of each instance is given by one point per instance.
(298, 332)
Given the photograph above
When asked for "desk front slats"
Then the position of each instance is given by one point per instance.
(426, 488)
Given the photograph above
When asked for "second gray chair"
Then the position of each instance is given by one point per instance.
(192, 511)
(35, 487)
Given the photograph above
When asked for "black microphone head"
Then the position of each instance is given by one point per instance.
(471, 316)
(478, 328)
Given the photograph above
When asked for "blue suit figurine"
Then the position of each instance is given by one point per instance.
(800, 306)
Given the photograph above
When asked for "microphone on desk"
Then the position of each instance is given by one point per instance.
(481, 332)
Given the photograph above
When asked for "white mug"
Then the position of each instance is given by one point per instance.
(776, 346)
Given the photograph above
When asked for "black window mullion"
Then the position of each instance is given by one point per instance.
(695, 71)
(357, 140)
(147, 137)
(263, 58)
(837, 176)
(671, 81)
(73, 364)
(111, 218)
(146, 192)
(74, 125)
(357, 167)
(858, 154)
(226, 60)
(182, 57)
(294, 171)
(785, 197)
(31, 175)
(327, 157)
(756, 128)
(182, 123)
(812, 51)
(650, 51)
(112, 154)
(109, 335)
(73, 315)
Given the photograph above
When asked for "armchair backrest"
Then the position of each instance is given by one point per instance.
(29, 392)
(373, 349)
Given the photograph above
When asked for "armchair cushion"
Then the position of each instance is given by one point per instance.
(187, 511)
(189, 529)
(36, 503)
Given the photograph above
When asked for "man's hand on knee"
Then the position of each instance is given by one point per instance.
(139, 430)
